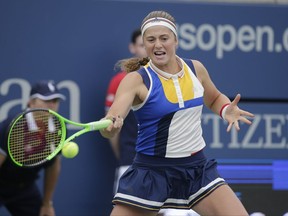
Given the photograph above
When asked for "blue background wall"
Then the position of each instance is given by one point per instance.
(77, 42)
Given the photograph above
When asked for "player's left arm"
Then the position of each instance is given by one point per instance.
(50, 181)
(213, 98)
(216, 101)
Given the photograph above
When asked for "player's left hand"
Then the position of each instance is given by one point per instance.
(234, 114)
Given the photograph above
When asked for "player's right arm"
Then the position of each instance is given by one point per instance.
(3, 141)
(110, 96)
(51, 175)
(2, 158)
(130, 91)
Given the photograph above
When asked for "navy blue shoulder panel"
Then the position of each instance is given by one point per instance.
(190, 64)
(145, 77)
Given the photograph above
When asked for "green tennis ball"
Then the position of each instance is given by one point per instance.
(70, 150)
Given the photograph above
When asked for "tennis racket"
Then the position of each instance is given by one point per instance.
(37, 135)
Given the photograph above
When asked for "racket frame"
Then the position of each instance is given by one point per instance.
(87, 127)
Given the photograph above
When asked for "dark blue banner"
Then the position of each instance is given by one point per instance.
(77, 42)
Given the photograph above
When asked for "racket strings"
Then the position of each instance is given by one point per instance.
(34, 137)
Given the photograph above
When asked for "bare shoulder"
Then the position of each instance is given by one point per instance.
(201, 71)
(132, 86)
(131, 83)
(134, 75)
(198, 65)
(133, 78)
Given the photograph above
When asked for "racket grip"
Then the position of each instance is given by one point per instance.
(100, 124)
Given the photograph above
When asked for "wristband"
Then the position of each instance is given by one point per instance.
(223, 110)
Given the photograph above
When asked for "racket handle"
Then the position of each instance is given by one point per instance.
(99, 124)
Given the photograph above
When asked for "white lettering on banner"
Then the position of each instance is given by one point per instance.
(275, 130)
(74, 105)
(226, 38)
(247, 143)
(216, 121)
(285, 39)
(6, 90)
(269, 131)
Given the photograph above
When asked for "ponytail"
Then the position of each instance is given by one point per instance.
(132, 64)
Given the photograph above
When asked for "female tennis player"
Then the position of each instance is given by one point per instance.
(170, 169)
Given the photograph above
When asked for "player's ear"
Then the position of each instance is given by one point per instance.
(177, 44)
(132, 48)
(30, 103)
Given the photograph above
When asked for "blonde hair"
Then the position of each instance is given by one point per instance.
(134, 64)
(162, 14)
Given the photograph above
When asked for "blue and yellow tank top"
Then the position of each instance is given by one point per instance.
(169, 119)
